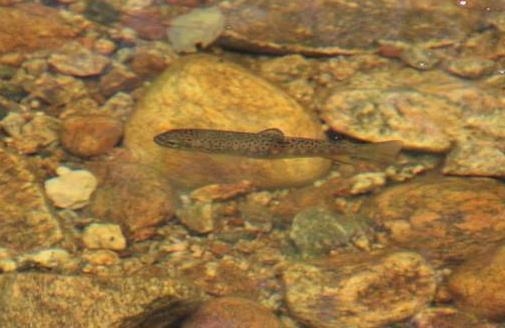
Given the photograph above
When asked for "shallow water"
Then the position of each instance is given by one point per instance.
(102, 227)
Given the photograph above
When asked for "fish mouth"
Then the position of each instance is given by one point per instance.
(162, 140)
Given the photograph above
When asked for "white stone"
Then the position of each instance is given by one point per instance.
(71, 189)
(104, 235)
(47, 258)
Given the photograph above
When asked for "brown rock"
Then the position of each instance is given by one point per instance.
(90, 135)
(26, 220)
(150, 60)
(471, 68)
(335, 27)
(36, 134)
(74, 59)
(221, 191)
(198, 217)
(446, 317)
(207, 92)
(379, 115)
(119, 78)
(232, 312)
(429, 111)
(56, 90)
(373, 291)
(84, 301)
(147, 22)
(228, 276)
(31, 27)
(132, 195)
(478, 285)
(442, 217)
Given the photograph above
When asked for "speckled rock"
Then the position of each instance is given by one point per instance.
(119, 78)
(197, 217)
(132, 195)
(74, 59)
(317, 231)
(371, 292)
(366, 182)
(27, 220)
(442, 217)
(478, 285)
(33, 135)
(90, 135)
(207, 92)
(232, 312)
(221, 191)
(482, 153)
(83, 301)
(46, 258)
(446, 317)
(339, 27)
(103, 235)
(429, 111)
(405, 115)
(471, 68)
(31, 27)
(420, 58)
(71, 189)
(56, 90)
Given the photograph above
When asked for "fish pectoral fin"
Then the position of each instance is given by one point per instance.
(273, 132)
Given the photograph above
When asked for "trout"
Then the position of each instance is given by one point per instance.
(273, 144)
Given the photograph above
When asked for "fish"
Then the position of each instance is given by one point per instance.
(273, 144)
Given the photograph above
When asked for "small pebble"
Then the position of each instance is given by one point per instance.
(101, 257)
(198, 217)
(76, 60)
(366, 182)
(12, 124)
(471, 68)
(105, 46)
(419, 58)
(119, 78)
(104, 235)
(46, 258)
(71, 189)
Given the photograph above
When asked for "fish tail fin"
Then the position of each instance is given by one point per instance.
(383, 153)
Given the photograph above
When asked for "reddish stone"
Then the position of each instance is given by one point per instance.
(232, 312)
(31, 27)
(90, 135)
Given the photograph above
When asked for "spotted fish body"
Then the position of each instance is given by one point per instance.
(272, 144)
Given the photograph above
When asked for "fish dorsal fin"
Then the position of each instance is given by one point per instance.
(273, 132)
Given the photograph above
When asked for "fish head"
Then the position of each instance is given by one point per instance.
(175, 139)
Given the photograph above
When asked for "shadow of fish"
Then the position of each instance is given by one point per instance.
(273, 144)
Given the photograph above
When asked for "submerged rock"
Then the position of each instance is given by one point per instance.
(444, 217)
(207, 92)
(428, 111)
(27, 220)
(132, 195)
(478, 285)
(71, 189)
(317, 231)
(363, 292)
(83, 301)
(31, 27)
(340, 27)
(232, 312)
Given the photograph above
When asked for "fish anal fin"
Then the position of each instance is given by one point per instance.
(274, 132)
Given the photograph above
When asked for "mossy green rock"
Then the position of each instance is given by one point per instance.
(203, 91)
